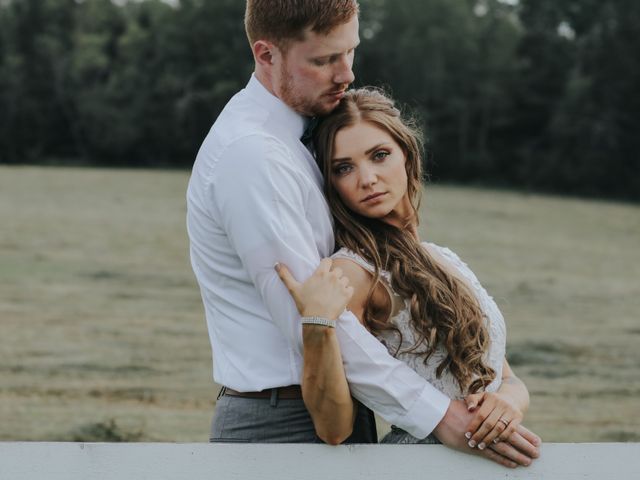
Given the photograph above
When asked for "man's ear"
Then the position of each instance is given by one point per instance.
(264, 53)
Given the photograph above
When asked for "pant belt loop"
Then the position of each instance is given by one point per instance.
(221, 392)
(274, 397)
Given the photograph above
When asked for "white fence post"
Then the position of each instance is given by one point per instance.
(159, 461)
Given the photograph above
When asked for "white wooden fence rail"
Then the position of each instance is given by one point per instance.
(160, 461)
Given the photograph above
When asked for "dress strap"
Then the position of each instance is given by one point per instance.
(353, 256)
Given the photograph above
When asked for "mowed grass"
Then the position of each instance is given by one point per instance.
(102, 330)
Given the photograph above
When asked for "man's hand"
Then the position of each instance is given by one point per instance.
(521, 448)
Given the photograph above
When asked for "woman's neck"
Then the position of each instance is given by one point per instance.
(405, 222)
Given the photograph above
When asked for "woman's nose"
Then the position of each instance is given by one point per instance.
(368, 176)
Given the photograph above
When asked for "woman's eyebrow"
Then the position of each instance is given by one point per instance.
(372, 149)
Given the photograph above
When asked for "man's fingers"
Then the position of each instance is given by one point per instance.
(509, 451)
(496, 457)
(285, 275)
(529, 435)
(522, 444)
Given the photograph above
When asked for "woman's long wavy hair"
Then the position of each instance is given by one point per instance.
(443, 310)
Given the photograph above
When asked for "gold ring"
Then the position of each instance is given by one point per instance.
(506, 423)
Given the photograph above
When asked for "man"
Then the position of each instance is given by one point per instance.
(255, 199)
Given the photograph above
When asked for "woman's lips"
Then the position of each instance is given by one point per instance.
(373, 196)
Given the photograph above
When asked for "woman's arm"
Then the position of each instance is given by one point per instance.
(324, 386)
(498, 414)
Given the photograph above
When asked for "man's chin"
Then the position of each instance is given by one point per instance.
(322, 109)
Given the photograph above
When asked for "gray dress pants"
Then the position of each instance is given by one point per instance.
(264, 420)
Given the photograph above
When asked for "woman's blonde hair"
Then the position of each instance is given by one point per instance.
(443, 310)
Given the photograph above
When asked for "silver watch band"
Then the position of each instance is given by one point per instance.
(318, 321)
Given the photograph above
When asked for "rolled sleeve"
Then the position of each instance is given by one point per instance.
(386, 385)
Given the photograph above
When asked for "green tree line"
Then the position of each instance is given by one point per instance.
(535, 94)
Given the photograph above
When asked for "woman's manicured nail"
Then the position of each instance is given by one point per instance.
(481, 446)
(472, 443)
(467, 435)
(276, 266)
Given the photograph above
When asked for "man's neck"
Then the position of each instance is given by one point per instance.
(265, 81)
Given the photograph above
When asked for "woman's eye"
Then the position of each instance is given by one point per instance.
(341, 169)
(380, 155)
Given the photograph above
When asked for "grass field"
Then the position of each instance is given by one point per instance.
(102, 331)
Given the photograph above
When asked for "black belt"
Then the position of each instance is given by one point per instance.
(288, 393)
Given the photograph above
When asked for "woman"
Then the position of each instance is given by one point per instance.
(419, 299)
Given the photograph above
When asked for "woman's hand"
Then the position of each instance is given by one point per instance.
(325, 294)
(496, 418)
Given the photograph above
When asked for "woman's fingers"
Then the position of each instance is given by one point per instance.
(502, 429)
(325, 265)
(476, 423)
(506, 433)
(285, 275)
(489, 423)
(325, 293)
(473, 400)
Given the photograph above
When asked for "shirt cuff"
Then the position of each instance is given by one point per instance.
(426, 413)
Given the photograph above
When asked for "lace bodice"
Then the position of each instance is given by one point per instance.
(402, 320)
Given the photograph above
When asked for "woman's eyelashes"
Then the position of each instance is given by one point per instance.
(380, 155)
(341, 169)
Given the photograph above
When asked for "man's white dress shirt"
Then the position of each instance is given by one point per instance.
(255, 198)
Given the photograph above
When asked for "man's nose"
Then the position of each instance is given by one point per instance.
(344, 73)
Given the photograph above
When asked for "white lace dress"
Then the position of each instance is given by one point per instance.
(401, 319)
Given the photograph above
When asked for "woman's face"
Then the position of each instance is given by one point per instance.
(368, 173)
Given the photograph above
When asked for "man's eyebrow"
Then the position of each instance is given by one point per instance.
(372, 149)
(334, 54)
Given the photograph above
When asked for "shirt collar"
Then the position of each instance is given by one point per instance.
(284, 115)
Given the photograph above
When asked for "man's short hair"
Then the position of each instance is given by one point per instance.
(280, 21)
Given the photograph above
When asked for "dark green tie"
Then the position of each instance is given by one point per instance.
(307, 135)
